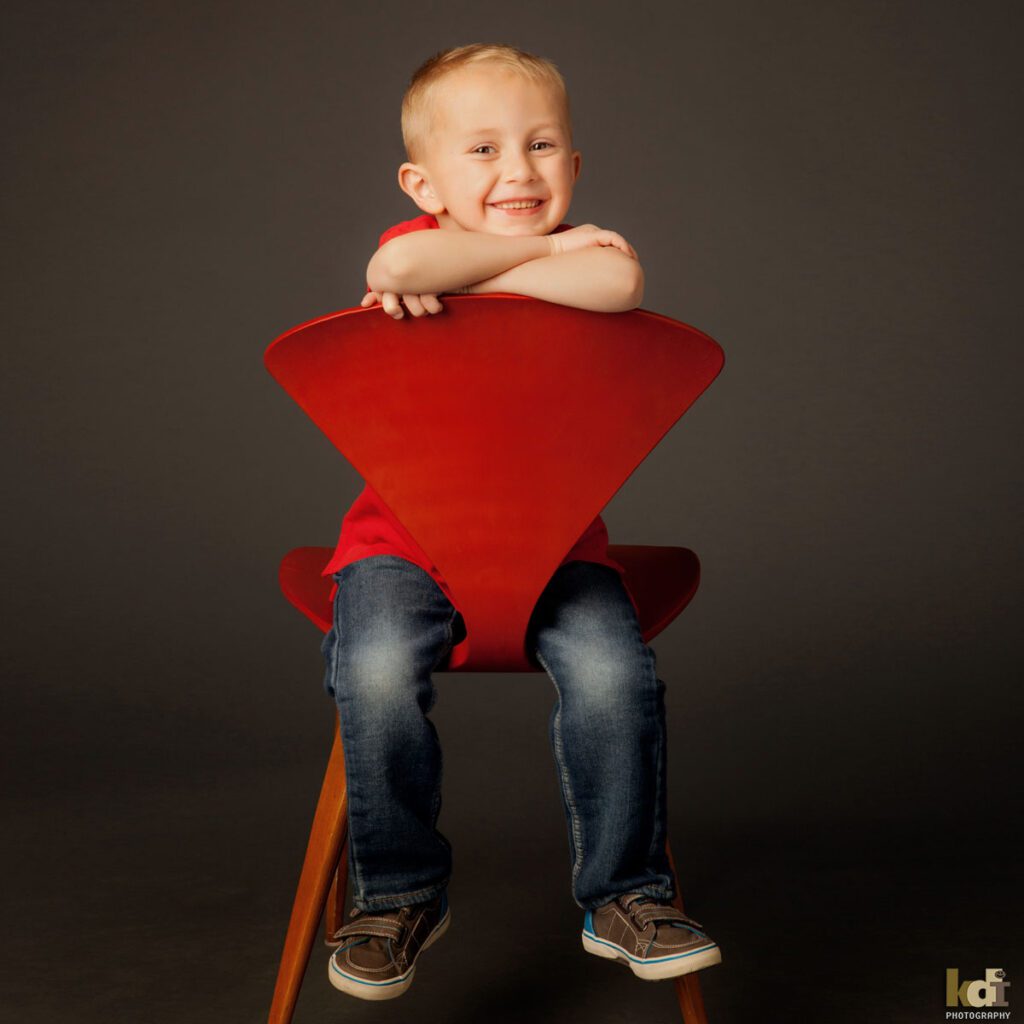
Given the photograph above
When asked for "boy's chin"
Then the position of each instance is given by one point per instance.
(504, 226)
(540, 226)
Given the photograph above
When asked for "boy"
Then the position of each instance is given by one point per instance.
(491, 165)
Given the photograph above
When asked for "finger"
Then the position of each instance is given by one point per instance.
(413, 304)
(369, 299)
(431, 303)
(621, 244)
(611, 240)
(389, 300)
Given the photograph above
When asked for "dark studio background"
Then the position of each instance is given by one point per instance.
(829, 190)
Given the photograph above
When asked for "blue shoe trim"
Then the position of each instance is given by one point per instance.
(357, 942)
(696, 931)
(651, 960)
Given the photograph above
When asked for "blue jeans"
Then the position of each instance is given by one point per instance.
(393, 626)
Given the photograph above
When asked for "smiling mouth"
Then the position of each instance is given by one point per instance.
(518, 204)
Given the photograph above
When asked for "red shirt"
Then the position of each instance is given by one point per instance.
(370, 528)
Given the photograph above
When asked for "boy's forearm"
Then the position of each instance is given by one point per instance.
(600, 279)
(431, 262)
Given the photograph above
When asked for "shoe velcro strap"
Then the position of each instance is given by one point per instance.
(381, 927)
(644, 915)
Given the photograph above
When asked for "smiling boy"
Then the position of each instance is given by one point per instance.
(491, 165)
(491, 160)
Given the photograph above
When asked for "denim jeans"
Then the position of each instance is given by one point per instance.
(393, 626)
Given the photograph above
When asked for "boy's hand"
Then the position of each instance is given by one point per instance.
(418, 305)
(587, 235)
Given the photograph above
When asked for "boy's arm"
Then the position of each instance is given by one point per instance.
(605, 280)
(431, 262)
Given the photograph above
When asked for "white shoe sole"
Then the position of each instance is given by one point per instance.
(660, 967)
(363, 989)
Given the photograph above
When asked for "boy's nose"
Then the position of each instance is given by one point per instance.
(519, 168)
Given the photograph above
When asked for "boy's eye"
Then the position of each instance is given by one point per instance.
(486, 147)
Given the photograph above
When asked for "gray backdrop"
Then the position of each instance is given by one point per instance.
(830, 190)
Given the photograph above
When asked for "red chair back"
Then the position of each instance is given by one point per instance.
(495, 431)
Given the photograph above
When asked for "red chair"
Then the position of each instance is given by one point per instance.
(502, 417)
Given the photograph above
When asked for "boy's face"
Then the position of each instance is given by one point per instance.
(496, 137)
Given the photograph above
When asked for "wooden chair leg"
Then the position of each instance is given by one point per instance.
(334, 916)
(322, 852)
(691, 1002)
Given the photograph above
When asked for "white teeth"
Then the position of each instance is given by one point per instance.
(525, 205)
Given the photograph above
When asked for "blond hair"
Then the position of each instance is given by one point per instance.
(419, 104)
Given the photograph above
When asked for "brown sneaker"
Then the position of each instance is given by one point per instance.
(653, 938)
(377, 955)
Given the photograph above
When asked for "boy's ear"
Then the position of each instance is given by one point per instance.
(413, 181)
(577, 162)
